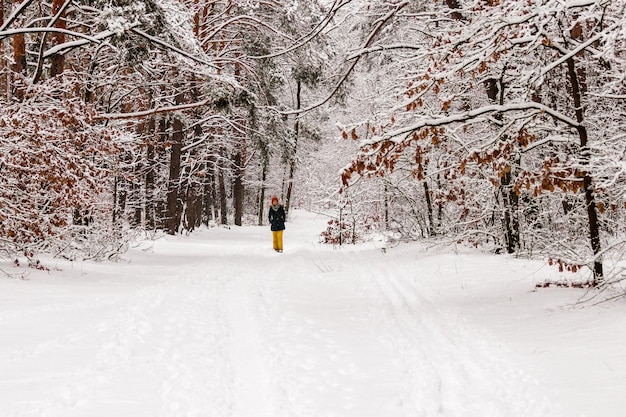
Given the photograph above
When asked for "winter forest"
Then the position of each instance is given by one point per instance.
(498, 124)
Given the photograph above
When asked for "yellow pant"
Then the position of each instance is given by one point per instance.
(277, 238)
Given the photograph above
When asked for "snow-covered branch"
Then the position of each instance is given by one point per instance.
(162, 44)
(18, 10)
(12, 32)
(473, 114)
(150, 112)
(303, 40)
(368, 41)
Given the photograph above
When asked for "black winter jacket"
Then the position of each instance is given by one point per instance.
(277, 217)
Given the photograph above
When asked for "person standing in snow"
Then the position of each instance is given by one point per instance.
(277, 223)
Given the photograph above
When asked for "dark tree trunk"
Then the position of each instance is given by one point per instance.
(386, 206)
(138, 210)
(439, 202)
(173, 205)
(209, 192)
(81, 217)
(3, 61)
(238, 188)
(261, 202)
(122, 197)
(429, 209)
(174, 182)
(238, 183)
(511, 221)
(120, 190)
(222, 187)
(150, 174)
(19, 63)
(454, 6)
(115, 207)
(19, 50)
(590, 202)
(492, 88)
(190, 209)
(510, 200)
(292, 161)
(160, 208)
(135, 185)
(57, 61)
(19, 54)
(198, 208)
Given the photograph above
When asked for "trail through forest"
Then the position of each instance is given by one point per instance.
(217, 324)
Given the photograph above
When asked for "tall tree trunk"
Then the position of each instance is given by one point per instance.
(590, 202)
(198, 206)
(190, 208)
(429, 209)
(57, 61)
(510, 203)
(238, 183)
(115, 202)
(209, 192)
(510, 200)
(122, 197)
(262, 192)
(222, 187)
(173, 220)
(160, 209)
(150, 174)
(238, 187)
(292, 162)
(4, 73)
(138, 210)
(439, 202)
(386, 205)
(511, 221)
(120, 188)
(19, 63)
(135, 195)
(173, 207)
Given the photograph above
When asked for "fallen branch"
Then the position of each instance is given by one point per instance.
(566, 284)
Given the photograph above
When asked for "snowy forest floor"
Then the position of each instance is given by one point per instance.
(218, 324)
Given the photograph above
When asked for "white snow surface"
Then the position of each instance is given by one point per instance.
(218, 324)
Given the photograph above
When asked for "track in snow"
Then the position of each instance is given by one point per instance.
(219, 325)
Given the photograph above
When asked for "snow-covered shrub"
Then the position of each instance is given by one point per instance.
(55, 161)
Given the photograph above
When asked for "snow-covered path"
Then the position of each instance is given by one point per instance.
(217, 324)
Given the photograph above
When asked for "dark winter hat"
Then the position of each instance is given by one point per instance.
(274, 200)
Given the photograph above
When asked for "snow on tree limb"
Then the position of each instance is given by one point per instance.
(66, 46)
(569, 54)
(162, 44)
(248, 20)
(87, 38)
(368, 41)
(298, 43)
(469, 115)
(15, 14)
(150, 112)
